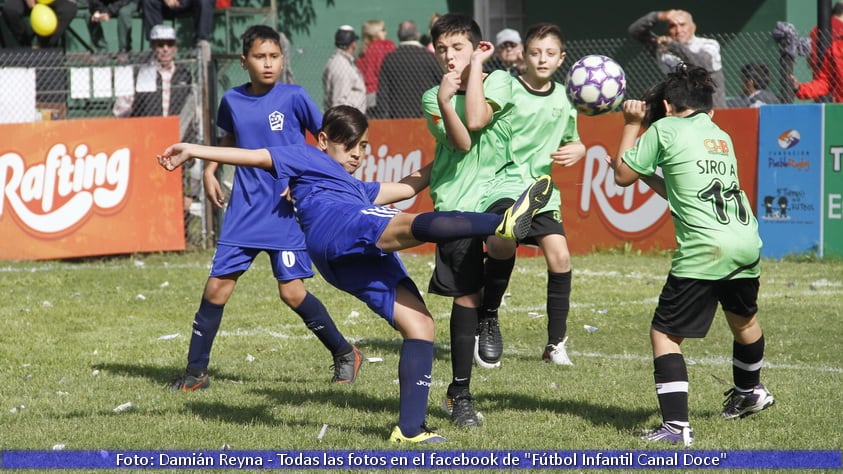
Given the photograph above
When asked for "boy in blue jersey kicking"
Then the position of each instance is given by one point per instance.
(258, 114)
(353, 238)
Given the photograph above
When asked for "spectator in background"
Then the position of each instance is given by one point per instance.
(165, 88)
(102, 11)
(155, 11)
(509, 53)
(755, 77)
(15, 13)
(828, 75)
(405, 75)
(425, 39)
(341, 80)
(681, 45)
(373, 49)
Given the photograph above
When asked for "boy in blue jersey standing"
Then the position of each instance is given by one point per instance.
(258, 114)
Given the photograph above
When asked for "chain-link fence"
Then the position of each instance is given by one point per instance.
(49, 84)
(641, 66)
(54, 85)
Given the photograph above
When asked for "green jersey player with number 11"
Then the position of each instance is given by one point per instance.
(718, 246)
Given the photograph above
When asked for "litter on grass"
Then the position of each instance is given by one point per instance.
(589, 328)
(124, 407)
(322, 432)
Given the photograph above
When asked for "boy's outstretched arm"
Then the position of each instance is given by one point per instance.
(408, 187)
(175, 156)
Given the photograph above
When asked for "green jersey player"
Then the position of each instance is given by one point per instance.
(718, 246)
(544, 133)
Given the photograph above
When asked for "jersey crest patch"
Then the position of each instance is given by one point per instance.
(276, 121)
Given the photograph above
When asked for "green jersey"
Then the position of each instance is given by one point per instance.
(459, 180)
(716, 231)
(541, 122)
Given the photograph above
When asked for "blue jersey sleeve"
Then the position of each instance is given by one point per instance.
(372, 189)
(224, 118)
(307, 112)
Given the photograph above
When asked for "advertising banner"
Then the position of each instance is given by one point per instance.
(833, 182)
(74, 188)
(789, 179)
(597, 214)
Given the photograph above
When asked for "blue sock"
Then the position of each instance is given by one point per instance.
(205, 326)
(414, 371)
(316, 318)
(445, 226)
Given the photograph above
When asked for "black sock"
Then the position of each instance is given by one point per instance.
(746, 363)
(463, 328)
(495, 280)
(445, 226)
(671, 378)
(558, 305)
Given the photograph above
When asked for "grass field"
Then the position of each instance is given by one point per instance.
(78, 339)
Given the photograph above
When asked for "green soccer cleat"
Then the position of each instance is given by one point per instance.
(518, 218)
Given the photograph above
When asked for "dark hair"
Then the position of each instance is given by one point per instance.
(541, 30)
(838, 9)
(262, 33)
(687, 87)
(456, 23)
(344, 124)
(758, 73)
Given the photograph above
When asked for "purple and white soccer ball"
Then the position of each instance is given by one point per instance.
(596, 84)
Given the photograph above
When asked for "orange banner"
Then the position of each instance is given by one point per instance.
(74, 188)
(597, 214)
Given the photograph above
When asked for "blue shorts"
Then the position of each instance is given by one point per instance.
(286, 264)
(345, 251)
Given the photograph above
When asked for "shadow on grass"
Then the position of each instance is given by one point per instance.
(162, 375)
(598, 415)
(394, 346)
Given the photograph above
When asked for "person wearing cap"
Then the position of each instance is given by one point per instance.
(509, 53)
(15, 12)
(156, 11)
(161, 87)
(342, 81)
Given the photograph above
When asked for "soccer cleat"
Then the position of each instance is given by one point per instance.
(190, 381)
(665, 434)
(739, 404)
(518, 218)
(347, 366)
(461, 409)
(488, 343)
(557, 354)
(425, 437)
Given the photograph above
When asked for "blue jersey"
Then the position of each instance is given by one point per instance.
(257, 216)
(342, 226)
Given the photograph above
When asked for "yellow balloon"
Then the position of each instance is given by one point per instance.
(44, 2)
(43, 20)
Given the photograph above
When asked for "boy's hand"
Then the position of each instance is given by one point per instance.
(449, 86)
(174, 156)
(482, 52)
(213, 190)
(634, 111)
(568, 154)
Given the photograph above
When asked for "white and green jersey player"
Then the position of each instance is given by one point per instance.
(716, 230)
(459, 180)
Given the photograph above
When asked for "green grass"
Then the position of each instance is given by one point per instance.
(77, 339)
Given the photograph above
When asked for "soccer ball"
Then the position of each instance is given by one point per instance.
(596, 84)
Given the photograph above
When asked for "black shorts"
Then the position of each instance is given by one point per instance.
(459, 268)
(687, 305)
(545, 223)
